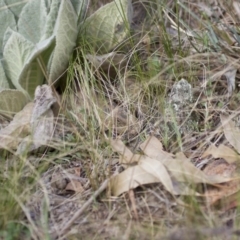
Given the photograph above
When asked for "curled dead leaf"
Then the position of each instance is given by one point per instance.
(180, 168)
(127, 157)
(231, 132)
(222, 151)
(174, 172)
(19, 127)
(42, 120)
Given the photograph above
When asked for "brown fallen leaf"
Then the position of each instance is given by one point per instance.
(222, 151)
(222, 191)
(148, 170)
(153, 171)
(231, 132)
(127, 157)
(42, 120)
(158, 170)
(154, 148)
(120, 147)
(137, 175)
(18, 128)
(75, 186)
(180, 168)
(130, 178)
(174, 172)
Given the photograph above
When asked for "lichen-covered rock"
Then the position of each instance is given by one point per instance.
(181, 95)
(178, 109)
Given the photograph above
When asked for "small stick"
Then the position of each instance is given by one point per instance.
(68, 225)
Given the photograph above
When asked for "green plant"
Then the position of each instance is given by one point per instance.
(38, 39)
(36, 46)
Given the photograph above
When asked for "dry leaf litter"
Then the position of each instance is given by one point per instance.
(63, 190)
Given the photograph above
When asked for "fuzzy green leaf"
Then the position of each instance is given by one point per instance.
(16, 53)
(66, 35)
(32, 20)
(6, 36)
(11, 101)
(23, 60)
(108, 26)
(6, 20)
(16, 6)
(35, 69)
(3, 80)
(80, 7)
(51, 19)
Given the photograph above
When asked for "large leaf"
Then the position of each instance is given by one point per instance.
(24, 62)
(66, 35)
(108, 26)
(11, 101)
(80, 7)
(175, 172)
(180, 166)
(51, 19)
(35, 69)
(16, 53)
(16, 6)
(6, 20)
(148, 170)
(6, 36)
(3, 80)
(32, 20)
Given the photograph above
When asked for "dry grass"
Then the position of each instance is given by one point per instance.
(156, 56)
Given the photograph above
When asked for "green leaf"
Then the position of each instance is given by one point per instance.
(3, 79)
(35, 69)
(108, 26)
(66, 35)
(80, 7)
(51, 19)
(6, 36)
(16, 53)
(48, 4)
(24, 62)
(16, 6)
(32, 20)
(11, 101)
(6, 20)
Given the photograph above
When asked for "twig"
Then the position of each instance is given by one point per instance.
(68, 225)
